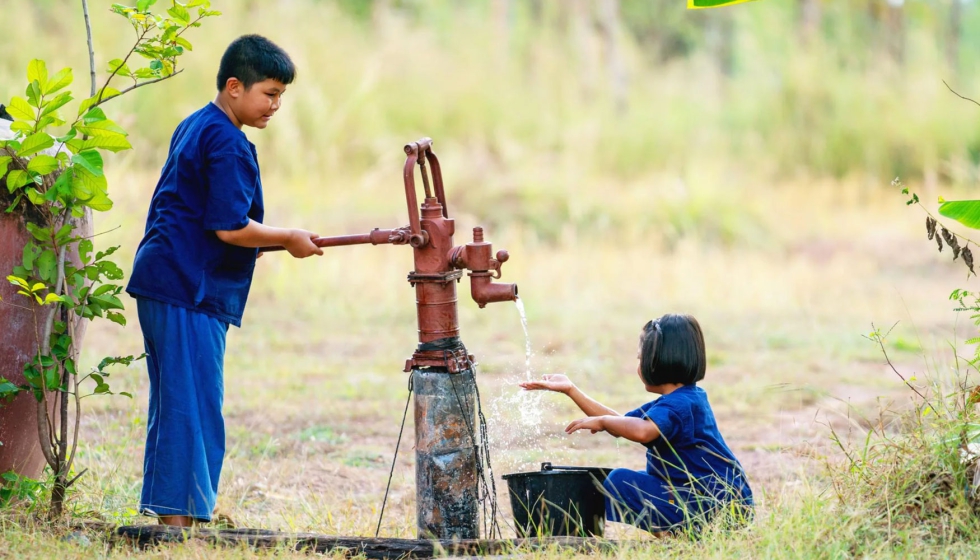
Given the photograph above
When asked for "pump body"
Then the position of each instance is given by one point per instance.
(443, 373)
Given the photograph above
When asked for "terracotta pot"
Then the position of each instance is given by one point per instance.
(20, 451)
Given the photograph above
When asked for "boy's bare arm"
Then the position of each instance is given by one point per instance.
(297, 241)
(639, 430)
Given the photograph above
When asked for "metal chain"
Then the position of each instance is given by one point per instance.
(482, 447)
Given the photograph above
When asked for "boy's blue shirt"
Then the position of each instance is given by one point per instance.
(690, 451)
(210, 182)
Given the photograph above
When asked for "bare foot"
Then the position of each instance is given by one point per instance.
(176, 520)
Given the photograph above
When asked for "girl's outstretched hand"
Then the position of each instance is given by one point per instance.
(550, 382)
(592, 423)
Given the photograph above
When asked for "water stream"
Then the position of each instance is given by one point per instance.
(527, 339)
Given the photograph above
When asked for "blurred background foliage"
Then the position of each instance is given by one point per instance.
(570, 117)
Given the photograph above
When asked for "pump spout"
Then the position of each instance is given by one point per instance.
(475, 256)
(485, 291)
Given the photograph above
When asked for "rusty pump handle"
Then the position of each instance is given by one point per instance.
(419, 152)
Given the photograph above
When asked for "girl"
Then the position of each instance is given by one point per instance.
(691, 473)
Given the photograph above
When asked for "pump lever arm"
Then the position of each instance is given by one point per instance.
(377, 236)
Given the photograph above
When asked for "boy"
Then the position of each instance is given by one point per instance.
(192, 274)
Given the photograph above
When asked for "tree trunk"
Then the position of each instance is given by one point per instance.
(21, 449)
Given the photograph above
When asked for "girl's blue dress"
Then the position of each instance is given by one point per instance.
(691, 473)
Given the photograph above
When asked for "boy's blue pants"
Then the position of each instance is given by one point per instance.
(185, 436)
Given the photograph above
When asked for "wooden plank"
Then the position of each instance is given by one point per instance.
(381, 548)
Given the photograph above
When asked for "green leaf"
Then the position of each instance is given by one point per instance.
(144, 5)
(37, 70)
(71, 134)
(105, 135)
(51, 298)
(90, 160)
(14, 204)
(4, 163)
(33, 93)
(118, 67)
(51, 378)
(30, 253)
(35, 196)
(180, 14)
(42, 164)
(106, 301)
(99, 202)
(111, 270)
(184, 43)
(47, 265)
(58, 102)
(85, 247)
(17, 281)
(61, 79)
(106, 94)
(39, 233)
(966, 212)
(22, 127)
(85, 185)
(61, 237)
(17, 179)
(94, 115)
(35, 143)
(21, 109)
(117, 318)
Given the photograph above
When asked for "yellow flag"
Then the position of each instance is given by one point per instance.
(701, 4)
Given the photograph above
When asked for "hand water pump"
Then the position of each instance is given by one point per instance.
(446, 435)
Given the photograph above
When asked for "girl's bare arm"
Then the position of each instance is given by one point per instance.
(639, 430)
(561, 384)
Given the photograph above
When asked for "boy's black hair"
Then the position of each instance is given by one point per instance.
(672, 351)
(253, 58)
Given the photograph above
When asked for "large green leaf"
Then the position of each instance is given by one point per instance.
(34, 144)
(17, 179)
(58, 81)
(966, 212)
(42, 164)
(99, 202)
(37, 70)
(91, 160)
(21, 110)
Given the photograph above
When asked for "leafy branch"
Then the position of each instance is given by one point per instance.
(55, 181)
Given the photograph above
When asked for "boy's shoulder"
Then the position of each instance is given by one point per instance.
(210, 129)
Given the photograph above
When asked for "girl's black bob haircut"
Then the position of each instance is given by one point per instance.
(672, 351)
(253, 58)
